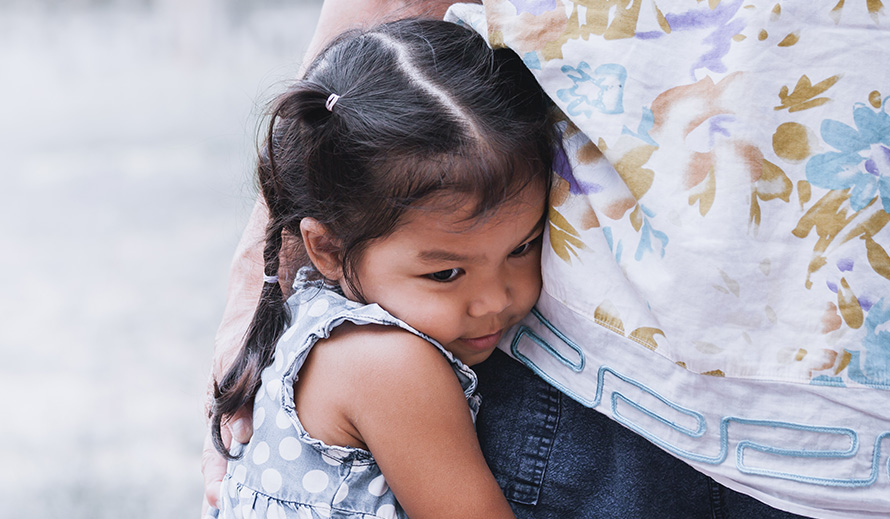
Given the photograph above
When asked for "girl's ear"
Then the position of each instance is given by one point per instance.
(323, 249)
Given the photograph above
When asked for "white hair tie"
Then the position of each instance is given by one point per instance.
(332, 100)
(270, 279)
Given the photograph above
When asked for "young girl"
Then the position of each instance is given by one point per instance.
(409, 170)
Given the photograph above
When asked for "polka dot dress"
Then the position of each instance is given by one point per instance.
(285, 473)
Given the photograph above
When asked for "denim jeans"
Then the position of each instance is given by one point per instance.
(555, 458)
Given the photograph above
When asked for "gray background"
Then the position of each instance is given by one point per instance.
(127, 132)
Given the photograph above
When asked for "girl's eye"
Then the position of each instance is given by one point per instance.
(444, 276)
(525, 247)
(522, 249)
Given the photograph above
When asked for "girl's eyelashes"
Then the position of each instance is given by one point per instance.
(444, 276)
(527, 246)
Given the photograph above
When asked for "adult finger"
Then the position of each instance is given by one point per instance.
(213, 466)
(240, 426)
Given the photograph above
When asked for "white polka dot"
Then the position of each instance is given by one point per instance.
(282, 420)
(315, 481)
(386, 512)
(341, 494)
(377, 486)
(239, 474)
(359, 468)
(305, 513)
(273, 389)
(286, 336)
(279, 361)
(259, 416)
(261, 392)
(323, 510)
(271, 480)
(232, 488)
(290, 448)
(261, 453)
(332, 458)
(319, 307)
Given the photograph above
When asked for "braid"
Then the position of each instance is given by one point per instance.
(240, 383)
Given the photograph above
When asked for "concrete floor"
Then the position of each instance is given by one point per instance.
(126, 145)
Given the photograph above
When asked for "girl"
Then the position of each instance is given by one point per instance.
(409, 170)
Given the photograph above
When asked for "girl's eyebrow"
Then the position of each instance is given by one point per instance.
(433, 255)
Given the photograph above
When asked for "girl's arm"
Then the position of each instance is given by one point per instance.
(397, 395)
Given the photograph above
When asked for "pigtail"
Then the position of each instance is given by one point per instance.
(286, 170)
(241, 382)
(239, 385)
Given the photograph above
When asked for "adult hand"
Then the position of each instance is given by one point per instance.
(213, 464)
(245, 280)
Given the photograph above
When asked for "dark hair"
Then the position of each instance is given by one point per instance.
(426, 108)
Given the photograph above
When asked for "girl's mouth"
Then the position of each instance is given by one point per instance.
(485, 342)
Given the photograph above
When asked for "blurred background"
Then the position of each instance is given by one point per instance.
(127, 134)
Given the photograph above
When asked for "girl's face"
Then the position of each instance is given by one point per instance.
(463, 283)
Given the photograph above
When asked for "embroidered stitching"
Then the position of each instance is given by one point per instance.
(743, 445)
(577, 367)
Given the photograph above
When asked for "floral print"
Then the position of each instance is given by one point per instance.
(599, 89)
(719, 230)
(862, 160)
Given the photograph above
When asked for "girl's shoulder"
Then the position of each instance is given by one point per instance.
(381, 347)
(362, 372)
(368, 355)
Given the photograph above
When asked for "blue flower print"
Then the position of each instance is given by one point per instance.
(874, 369)
(602, 89)
(647, 121)
(862, 162)
(650, 236)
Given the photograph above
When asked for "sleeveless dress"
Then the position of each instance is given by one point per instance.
(285, 473)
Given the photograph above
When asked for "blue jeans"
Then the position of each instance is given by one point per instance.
(555, 458)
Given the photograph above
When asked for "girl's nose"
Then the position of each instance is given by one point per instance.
(492, 298)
